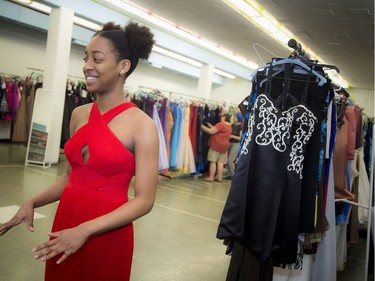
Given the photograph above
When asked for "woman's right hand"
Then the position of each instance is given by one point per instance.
(25, 214)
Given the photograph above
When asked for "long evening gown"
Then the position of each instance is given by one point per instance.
(96, 187)
(262, 208)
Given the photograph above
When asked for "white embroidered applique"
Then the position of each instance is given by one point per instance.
(245, 146)
(273, 129)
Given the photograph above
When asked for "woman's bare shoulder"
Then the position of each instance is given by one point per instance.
(142, 123)
(80, 116)
(83, 109)
(142, 117)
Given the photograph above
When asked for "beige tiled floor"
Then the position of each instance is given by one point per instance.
(7, 212)
(175, 242)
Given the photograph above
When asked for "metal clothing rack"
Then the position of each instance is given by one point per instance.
(306, 57)
(165, 176)
(35, 69)
(69, 75)
(370, 218)
(368, 207)
(158, 91)
(170, 94)
(300, 52)
(352, 203)
(15, 76)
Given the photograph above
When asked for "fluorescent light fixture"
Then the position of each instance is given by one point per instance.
(161, 23)
(40, 7)
(281, 36)
(85, 23)
(79, 42)
(266, 24)
(223, 73)
(189, 61)
(259, 16)
(176, 56)
(136, 11)
(247, 10)
(24, 1)
(336, 79)
(47, 10)
(255, 13)
(157, 65)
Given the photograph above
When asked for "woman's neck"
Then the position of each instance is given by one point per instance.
(107, 101)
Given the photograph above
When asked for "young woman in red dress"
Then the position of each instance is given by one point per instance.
(111, 141)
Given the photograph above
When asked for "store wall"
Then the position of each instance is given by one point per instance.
(20, 49)
(364, 98)
(23, 48)
(235, 91)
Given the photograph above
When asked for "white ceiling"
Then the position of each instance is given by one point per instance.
(341, 32)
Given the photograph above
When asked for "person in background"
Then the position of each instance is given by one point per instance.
(234, 143)
(219, 143)
(111, 141)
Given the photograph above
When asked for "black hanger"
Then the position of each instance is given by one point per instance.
(315, 63)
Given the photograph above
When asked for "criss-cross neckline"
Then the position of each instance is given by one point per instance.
(107, 117)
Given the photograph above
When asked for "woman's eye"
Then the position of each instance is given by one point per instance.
(97, 60)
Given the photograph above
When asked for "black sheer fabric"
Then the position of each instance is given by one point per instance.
(276, 141)
(245, 266)
(273, 192)
(318, 99)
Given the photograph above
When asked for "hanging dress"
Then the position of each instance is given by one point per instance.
(263, 205)
(19, 127)
(95, 188)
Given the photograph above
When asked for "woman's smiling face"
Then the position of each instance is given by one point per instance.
(101, 68)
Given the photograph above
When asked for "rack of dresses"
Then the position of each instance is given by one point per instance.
(286, 117)
(75, 95)
(154, 103)
(19, 93)
(183, 149)
(353, 188)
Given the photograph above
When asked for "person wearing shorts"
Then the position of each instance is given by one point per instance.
(219, 143)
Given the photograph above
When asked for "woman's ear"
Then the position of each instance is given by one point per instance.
(124, 67)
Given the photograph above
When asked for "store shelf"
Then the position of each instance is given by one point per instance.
(37, 146)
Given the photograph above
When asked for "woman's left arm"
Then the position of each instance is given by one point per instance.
(209, 130)
(236, 137)
(146, 150)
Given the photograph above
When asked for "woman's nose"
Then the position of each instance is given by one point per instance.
(87, 65)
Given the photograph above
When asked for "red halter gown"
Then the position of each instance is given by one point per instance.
(96, 188)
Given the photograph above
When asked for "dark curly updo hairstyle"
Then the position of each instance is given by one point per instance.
(133, 42)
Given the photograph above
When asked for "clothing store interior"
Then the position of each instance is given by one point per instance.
(292, 197)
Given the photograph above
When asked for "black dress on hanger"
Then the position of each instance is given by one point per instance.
(263, 206)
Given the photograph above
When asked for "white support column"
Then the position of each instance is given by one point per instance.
(205, 81)
(56, 71)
